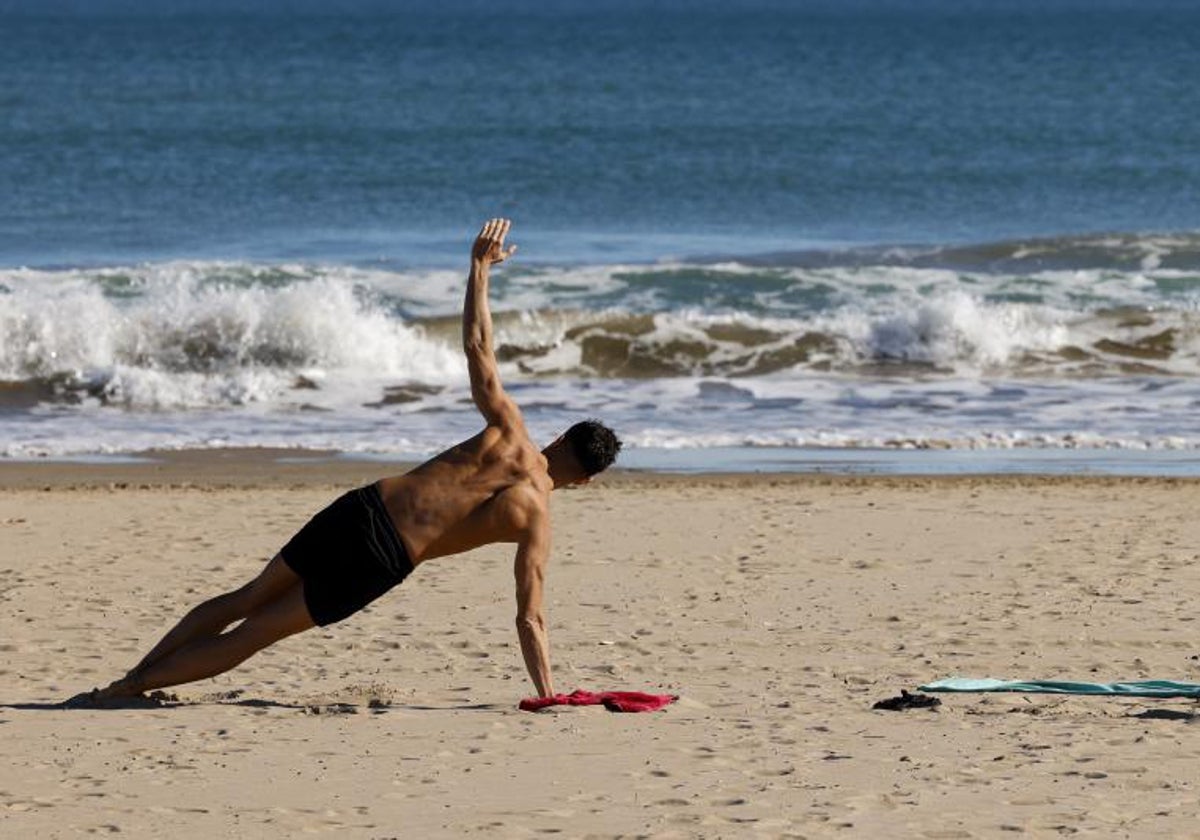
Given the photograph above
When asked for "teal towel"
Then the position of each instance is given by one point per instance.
(1138, 688)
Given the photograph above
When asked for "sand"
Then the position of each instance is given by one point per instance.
(780, 608)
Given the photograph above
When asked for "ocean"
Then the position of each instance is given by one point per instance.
(773, 229)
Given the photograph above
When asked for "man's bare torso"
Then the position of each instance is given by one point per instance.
(484, 490)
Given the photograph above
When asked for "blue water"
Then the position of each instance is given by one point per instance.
(764, 228)
(608, 130)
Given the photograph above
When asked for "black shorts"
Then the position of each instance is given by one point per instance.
(347, 555)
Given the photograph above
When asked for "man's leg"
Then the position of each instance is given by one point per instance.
(215, 654)
(214, 615)
(273, 607)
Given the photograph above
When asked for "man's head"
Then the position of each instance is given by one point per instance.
(587, 448)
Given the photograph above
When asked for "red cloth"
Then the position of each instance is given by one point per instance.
(614, 701)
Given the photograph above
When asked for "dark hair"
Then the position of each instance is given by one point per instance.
(594, 444)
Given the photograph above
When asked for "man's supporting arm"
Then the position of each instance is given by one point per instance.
(497, 407)
(533, 552)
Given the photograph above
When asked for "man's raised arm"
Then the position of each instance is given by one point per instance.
(497, 407)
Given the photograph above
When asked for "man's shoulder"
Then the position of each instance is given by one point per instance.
(527, 501)
(513, 443)
(530, 495)
(510, 428)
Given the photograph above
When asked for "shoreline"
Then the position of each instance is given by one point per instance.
(253, 467)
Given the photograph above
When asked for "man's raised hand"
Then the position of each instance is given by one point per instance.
(489, 245)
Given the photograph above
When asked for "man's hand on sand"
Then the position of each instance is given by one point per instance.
(489, 245)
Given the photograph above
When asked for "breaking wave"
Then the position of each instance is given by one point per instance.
(692, 354)
(183, 335)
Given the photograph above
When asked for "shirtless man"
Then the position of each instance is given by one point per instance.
(493, 488)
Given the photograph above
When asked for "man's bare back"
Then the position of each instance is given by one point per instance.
(488, 489)
(493, 488)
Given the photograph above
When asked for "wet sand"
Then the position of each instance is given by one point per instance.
(779, 607)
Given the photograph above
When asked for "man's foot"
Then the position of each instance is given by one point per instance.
(83, 700)
(108, 698)
(97, 699)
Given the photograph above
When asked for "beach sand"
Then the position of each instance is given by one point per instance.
(780, 608)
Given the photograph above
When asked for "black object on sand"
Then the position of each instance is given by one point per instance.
(908, 701)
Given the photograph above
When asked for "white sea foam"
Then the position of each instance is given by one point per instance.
(202, 354)
(953, 330)
(679, 413)
(174, 337)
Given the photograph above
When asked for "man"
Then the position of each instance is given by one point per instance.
(492, 488)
